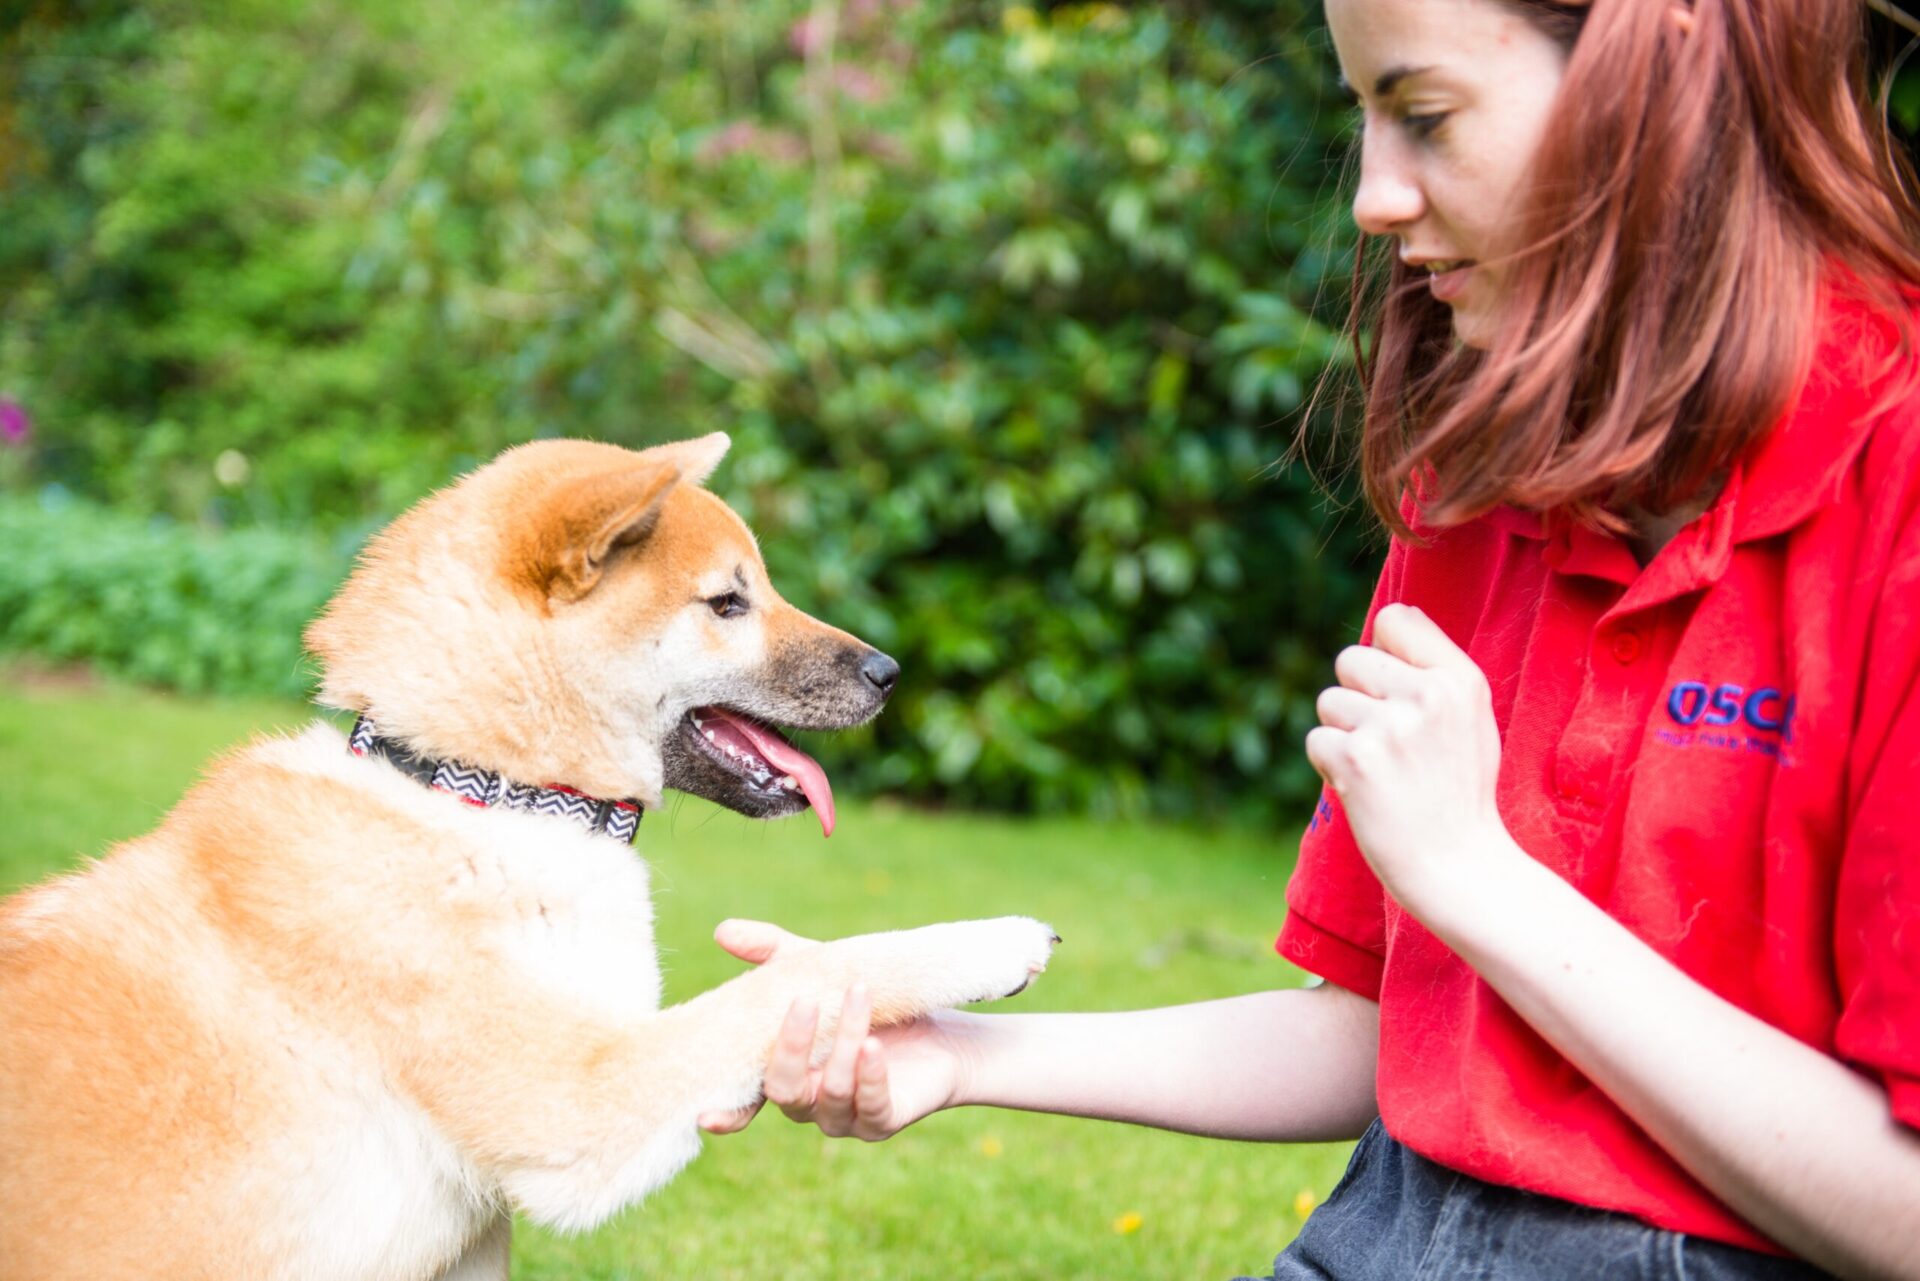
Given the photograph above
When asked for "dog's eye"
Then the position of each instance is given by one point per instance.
(728, 605)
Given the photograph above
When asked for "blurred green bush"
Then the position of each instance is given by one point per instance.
(1009, 312)
(160, 603)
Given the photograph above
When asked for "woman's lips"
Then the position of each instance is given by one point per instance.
(1449, 285)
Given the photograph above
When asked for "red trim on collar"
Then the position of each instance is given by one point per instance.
(484, 789)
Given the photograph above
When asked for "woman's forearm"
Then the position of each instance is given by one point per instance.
(1287, 1065)
(1797, 1143)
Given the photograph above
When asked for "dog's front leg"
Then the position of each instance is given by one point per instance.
(576, 1119)
(907, 973)
(489, 1257)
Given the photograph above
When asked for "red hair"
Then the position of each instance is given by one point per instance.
(1692, 192)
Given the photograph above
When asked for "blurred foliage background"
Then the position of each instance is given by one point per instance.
(1008, 311)
(1011, 312)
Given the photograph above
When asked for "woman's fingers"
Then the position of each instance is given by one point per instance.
(1406, 632)
(850, 1094)
(1373, 671)
(1327, 753)
(833, 1109)
(755, 941)
(787, 1086)
(1344, 708)
(872, 1094)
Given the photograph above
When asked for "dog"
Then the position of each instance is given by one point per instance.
(358, 998)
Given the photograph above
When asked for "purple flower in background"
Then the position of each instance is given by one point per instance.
(14, 423)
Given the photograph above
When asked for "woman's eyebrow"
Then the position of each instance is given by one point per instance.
(1387, 81)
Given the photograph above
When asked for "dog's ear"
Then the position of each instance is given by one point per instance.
(695, 458)
(568, 539)
(571, 530)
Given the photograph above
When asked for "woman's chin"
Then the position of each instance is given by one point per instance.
(1473, 328)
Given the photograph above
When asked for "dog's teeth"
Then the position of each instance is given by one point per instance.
(711, 738)
(786, 781)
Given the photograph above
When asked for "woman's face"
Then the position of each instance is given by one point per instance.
(1453, 96)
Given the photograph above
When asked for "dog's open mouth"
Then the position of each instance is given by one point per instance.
(761, 759)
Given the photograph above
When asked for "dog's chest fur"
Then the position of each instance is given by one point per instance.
(537, 895)
(320, 912)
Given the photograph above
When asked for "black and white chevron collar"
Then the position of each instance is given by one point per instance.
(483, 788)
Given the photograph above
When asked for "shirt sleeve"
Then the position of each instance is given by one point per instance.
(1336, 910)
(1877, 904)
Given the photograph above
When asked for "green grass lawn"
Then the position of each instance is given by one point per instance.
(1150, 915)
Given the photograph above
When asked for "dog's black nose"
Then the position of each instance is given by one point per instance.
(881, 672)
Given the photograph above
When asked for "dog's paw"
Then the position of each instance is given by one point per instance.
(963, 962)
(1028, 945)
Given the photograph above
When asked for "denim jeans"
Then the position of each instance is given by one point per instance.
(1397, 1216)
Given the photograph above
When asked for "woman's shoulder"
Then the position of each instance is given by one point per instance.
(1852, 436)
(1887, 480)
(1866, 346)
(1850, 453)
(1872, 344)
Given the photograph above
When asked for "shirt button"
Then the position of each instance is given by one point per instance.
(1626, 647)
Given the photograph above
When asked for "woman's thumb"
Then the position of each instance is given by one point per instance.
(753, 941)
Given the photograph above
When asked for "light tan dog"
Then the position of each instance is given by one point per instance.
(331, 1022)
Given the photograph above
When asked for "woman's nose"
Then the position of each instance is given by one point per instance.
(1388, 198)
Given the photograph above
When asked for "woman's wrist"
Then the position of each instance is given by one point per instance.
(1465, 898)
(968, 1038)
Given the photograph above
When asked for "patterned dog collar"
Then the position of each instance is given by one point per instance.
(483, 788)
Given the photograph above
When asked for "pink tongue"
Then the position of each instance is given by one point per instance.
(788, 759)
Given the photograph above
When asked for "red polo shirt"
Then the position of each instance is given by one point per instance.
(1722, 750)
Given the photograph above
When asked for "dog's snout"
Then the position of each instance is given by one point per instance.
(881, 672)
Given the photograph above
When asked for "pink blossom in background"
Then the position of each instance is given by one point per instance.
(14, 423)
(858, 83)
(741, 135)
(805, 35)
(781, 145)
(883, 147)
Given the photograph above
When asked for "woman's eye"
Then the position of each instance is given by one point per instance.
(1423, 126)
(728, 605)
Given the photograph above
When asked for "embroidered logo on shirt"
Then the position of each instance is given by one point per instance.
(1729, 717)
(1323, 812)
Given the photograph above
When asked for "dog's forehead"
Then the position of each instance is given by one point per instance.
(701, 534)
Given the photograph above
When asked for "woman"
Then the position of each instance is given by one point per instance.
(1613, 879)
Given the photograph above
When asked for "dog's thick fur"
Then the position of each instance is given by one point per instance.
(328, 1023)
